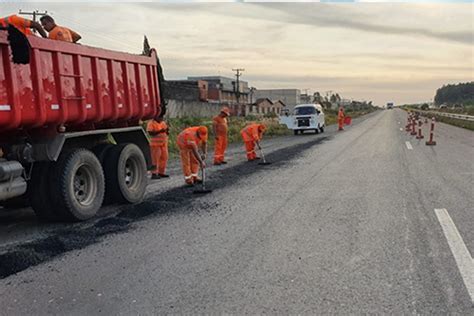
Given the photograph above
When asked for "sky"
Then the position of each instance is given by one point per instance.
(380, 52)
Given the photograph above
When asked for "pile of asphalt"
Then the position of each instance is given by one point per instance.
(18, 257)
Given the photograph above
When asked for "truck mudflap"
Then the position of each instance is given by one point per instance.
(12, 183)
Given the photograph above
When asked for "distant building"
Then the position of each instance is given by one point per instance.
(306, 98)
(264, 106)
(189, 90)
(290, 97)
(279, 106)
(224, 90)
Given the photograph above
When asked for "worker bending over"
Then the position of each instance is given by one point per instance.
(159, 131)
(220, 128)
(340, 118)
(251, 135)
(58, 33)
(189, 142)
(22, 24)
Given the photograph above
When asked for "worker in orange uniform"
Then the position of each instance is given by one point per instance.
(189, 142)
(159, 131)
(252, 135)
(219, 126)
(58, 33)
(340, 118)
(22, 24)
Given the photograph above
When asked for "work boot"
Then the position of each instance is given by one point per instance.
(162, 175)
(155, 176)
(197, 180)
(223, 162)
(257, 158)
(217, 163)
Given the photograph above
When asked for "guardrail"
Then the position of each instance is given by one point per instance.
(451, 115)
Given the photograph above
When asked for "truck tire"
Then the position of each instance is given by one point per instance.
(40, 191)
(125, 174)
(80, 184)
(295, 132)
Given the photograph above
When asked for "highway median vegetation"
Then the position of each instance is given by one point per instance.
(236, 124)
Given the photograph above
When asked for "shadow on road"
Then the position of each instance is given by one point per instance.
(21, 256)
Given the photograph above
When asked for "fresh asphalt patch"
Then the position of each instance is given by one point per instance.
(18, 257)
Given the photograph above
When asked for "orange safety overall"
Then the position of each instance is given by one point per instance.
(158, 145)
(221, 128)
(340, 120)
(188, 141)
(250, 134)
(23, 25)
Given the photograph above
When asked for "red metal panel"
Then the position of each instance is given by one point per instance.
(5, 97)
(132, 75)
(50, 91)
(90, 103)
(146, 95)
(38, 89)
(103, 88)
(120, 102)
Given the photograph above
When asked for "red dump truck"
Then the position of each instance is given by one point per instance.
(70, 125)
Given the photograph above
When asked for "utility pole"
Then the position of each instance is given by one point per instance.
(34, 13)
(238, 73)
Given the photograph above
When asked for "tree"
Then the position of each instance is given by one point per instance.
(146, 47)
(461, 93)
(317, 97)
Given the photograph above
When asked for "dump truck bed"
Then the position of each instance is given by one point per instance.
(77, 86)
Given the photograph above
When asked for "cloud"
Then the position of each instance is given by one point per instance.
(338, 16)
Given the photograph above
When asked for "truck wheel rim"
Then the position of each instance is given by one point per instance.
(132, 173)
(85, 185)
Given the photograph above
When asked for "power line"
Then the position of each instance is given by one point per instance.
(34, 13)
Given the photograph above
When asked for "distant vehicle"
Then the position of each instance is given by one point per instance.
(390, 105)
(305, 117)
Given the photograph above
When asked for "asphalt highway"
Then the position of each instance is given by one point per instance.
(367, 220)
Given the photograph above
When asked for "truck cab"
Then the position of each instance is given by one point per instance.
(305, 117)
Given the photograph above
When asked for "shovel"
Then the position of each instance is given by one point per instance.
(203, 189)
(264, 161)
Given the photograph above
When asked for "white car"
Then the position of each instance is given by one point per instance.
(305, 117)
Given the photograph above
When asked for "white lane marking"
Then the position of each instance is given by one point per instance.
(458, 248)
(408, 145)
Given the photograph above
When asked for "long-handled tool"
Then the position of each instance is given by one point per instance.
(203, 189)
(264, 162)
